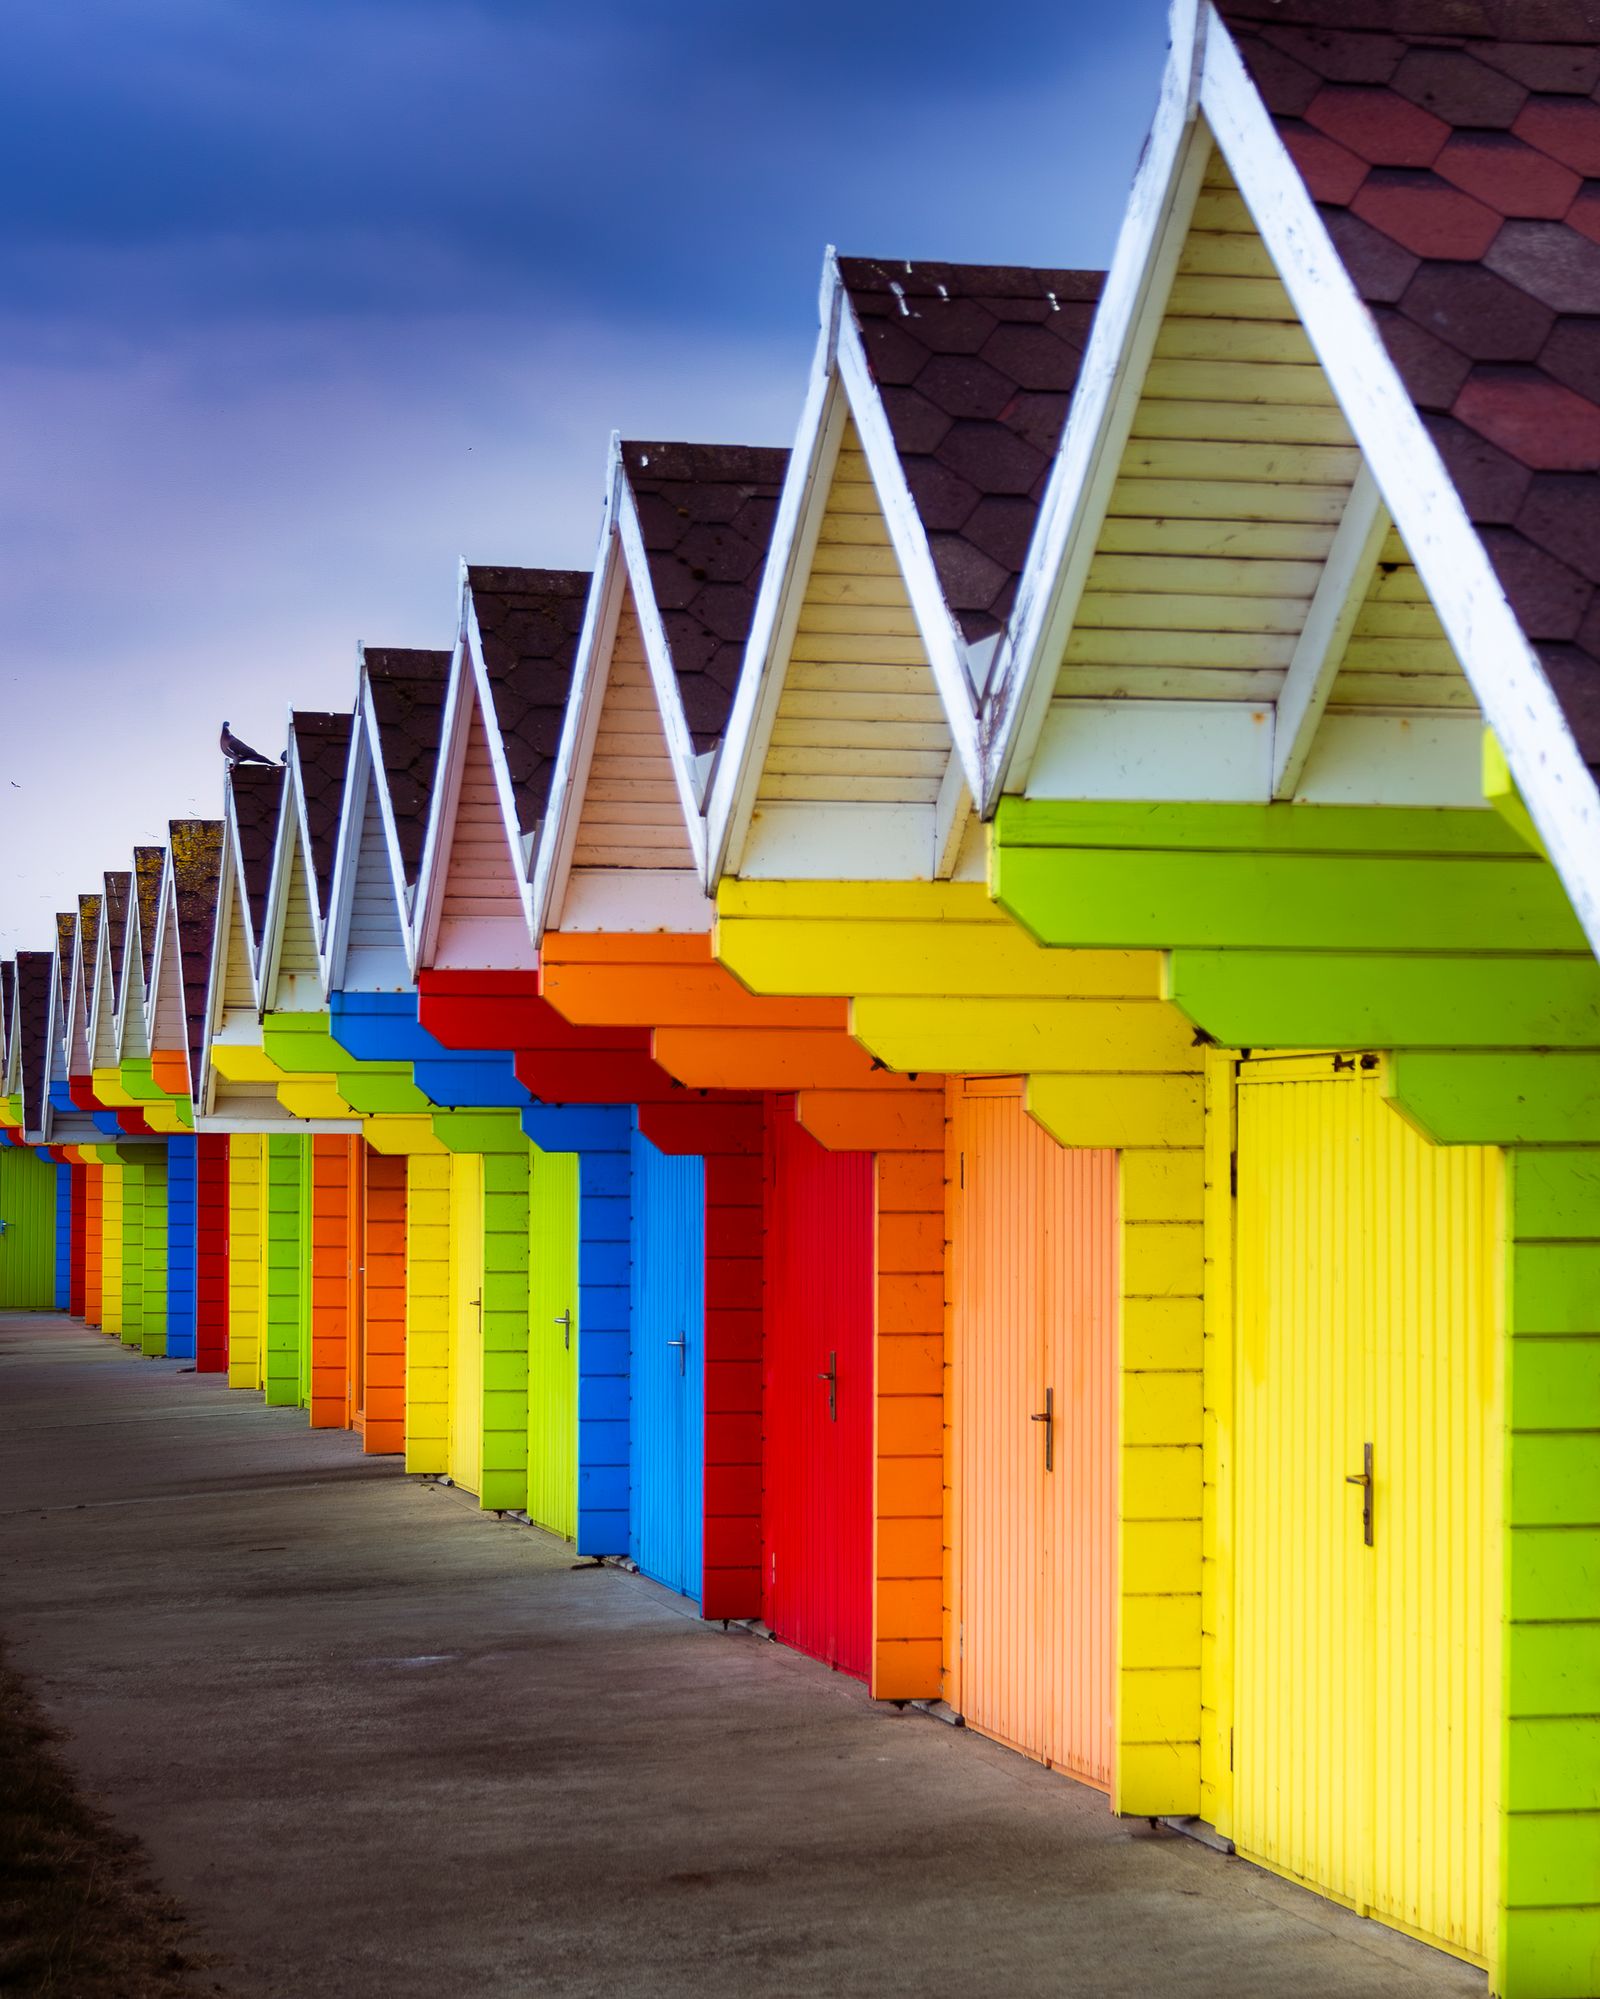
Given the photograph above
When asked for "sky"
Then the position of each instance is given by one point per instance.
(300, 303)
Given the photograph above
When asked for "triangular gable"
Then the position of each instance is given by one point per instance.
(394, 752)
(85, 958)
(29, 1069)
(1226, 261)
(291, 976)
(937, 395)
(510, 678)
(683, 546)
(106, 978)
(133, 1032)
(8, 987)
(231, 1012)
(60, 1016)
(185, 930)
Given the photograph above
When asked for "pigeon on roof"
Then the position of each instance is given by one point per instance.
(237, 751)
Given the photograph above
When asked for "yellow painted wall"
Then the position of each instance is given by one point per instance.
(428, 1312)
(246, 1192)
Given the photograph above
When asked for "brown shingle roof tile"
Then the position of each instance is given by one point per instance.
(322, 752)
(976, 364)
(148, 863)
(408, 690)
(257, 791)
(8, 987)
(1463, 136)
(529, 621)
(196, 878)
(31, 1024)
(66, 930)
(705, 515)
(119, 890)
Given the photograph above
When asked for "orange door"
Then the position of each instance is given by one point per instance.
(1034, 1335)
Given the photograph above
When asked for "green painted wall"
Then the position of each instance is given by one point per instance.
(28, 1241)
(133, 1276)
(154, 1339)
(286, 1258)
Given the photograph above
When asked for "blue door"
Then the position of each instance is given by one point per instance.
(667, 1430)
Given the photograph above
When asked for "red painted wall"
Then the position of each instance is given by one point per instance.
(79, 1245)
(383, 1377)
(820, 1292)
(211, 1262)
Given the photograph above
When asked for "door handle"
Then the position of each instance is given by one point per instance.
(831, 1376)
(564, 1321)
(1363, 1478)
(683, 1354)
(1048, 1418)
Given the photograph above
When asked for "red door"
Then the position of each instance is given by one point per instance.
(818, 1387)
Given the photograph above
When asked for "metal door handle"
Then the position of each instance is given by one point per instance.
(1048, 1418)
(683, 1354)
(564, 1321)
(1363, 1478)
(831, 1377)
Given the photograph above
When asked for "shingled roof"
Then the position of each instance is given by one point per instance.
(8, 988)
(257, 800)
(196, 879)
(148, 863)
(529, 621)
(322, 753)
(119, 891)
(705, 516)
(976, 364)
(31, 1024)
(1453, 149)
(408, 690)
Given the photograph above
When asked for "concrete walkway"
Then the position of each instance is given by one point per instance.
(380, 1745)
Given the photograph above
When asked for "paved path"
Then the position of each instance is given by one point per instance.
(380, 1745)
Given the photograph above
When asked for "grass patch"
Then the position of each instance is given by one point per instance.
(80, 1916)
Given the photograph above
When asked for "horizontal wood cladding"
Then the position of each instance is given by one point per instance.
(297, 954)
(374, 910)
(238, 993)
(859, 719)
(632, 816)
(478, 877)
(1233, 480)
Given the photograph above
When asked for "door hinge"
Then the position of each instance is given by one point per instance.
(1233, 1174)
(962, 1169)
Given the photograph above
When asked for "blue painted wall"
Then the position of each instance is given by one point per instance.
(667, 1373)
(63, 1237)
(182, 1247)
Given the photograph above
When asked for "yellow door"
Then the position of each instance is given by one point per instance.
(466, 1320)
(553, 1342)
(1366, 1615)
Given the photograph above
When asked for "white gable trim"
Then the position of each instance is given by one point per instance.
(469, 684)
(293, 837)
(1516, 698)
(1121, 338)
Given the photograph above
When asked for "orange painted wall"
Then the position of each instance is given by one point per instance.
(1034, 1300)
(335, 1276)
(92, 1245)
(382, 1371)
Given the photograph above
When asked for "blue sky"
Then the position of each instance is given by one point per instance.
(301, 301)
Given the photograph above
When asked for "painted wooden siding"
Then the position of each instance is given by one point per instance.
(77, 1303)
(297, 949)
(212, 1288)
(427, 1433)
(1366, 1698)
(481, 920)
(168, 1029)
(246, 1179)
(1036, 1294)
(27, 1244)
(375, 944)
(133, 1196)
(63, 1243)
(182, 1246)
(94, 1245)
(155, 1252)
(286, 1271)
(859, 718)
(111, 1205)
(238, 991)
(818, 1540)
(631, 816)
(504, 1481)
(466, 1321)
(382, 1378)
(555, 1293)
(666, 1426)
(1234, 478)
(336, 1227)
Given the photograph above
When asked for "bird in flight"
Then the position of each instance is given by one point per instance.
(238, 752)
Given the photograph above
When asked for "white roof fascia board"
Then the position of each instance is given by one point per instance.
(663, 675)
(367, 719)
(1335, 605)
(591, 673)
(453, 732)
(1517, 700)
(100, 993)
(952, 810)
(502, 770)
(234, 865)
(777, 608)
(230, 904)
(166, 915)
(946, 648)
(1023, 674)
(346, 844)
(130, 967)
(284, 842)
(77, 995)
